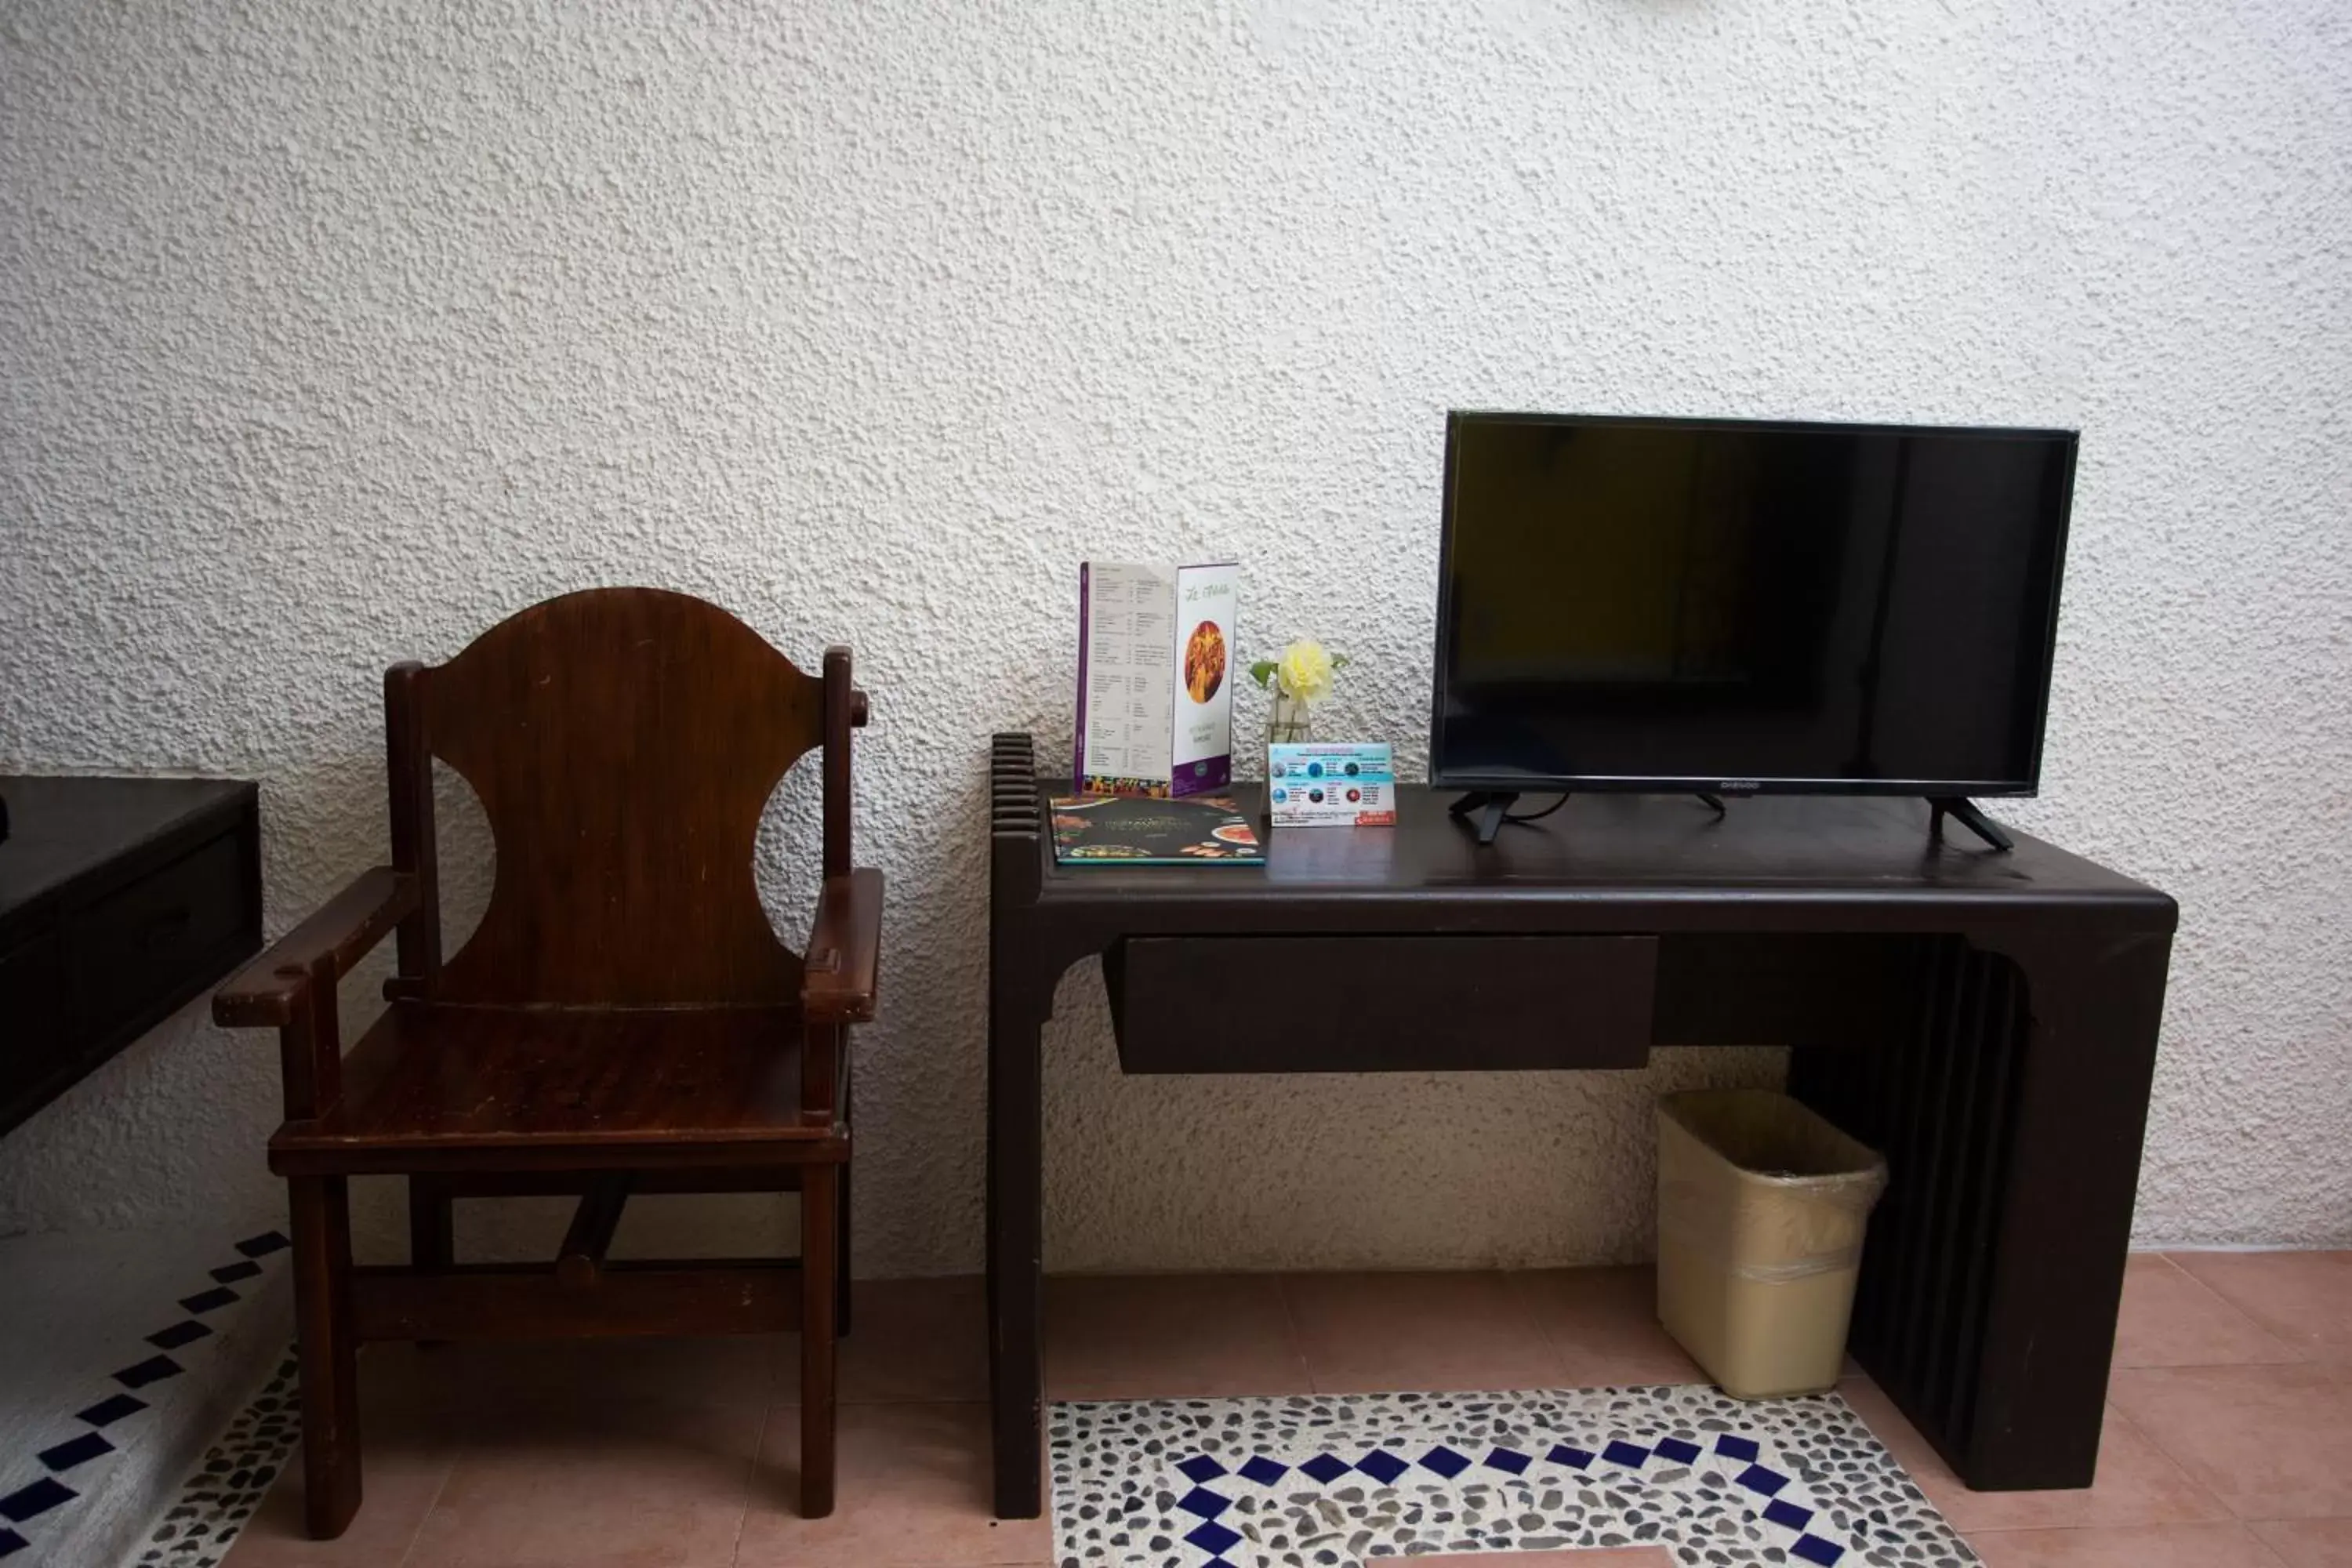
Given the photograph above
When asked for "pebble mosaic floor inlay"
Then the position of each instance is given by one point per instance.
(229, 1482)
(1340, 1480)
(1333, 1481)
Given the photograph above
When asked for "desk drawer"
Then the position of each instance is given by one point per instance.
(1381, 1003)
(164, 933)
(32, 1022)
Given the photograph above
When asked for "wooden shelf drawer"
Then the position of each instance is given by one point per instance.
(31, 1017)
(121, 899)
(1381, 1003)
(162, 935)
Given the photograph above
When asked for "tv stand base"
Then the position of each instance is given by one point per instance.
(1491, 807)
(1964, 812)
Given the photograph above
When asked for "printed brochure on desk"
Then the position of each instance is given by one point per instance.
(1128, 830)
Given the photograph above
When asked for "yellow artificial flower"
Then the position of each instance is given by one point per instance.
(1306, 670)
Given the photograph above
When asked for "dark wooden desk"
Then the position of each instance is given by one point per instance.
(1987, 1020)
(120, 899)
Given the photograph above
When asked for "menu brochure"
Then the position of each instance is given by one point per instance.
(1155, 678)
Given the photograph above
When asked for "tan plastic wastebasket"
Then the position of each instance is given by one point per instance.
(1761, 1209)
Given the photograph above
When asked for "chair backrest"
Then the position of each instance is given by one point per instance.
(624, 743)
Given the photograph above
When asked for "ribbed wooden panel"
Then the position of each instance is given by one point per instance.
(1943, 1103)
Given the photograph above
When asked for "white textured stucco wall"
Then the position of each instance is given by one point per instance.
(331, 333)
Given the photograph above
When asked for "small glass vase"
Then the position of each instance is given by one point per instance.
(1290, 722)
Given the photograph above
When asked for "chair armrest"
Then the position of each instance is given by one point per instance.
(845, 950)
(271, 988)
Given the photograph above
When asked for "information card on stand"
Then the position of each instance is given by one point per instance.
(1337, 783)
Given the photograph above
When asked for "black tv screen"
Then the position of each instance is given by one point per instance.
(1714, 604)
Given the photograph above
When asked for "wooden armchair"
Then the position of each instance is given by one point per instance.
(624, 1019)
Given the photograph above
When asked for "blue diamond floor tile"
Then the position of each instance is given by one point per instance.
(1675, 1448)
(1731, 1447)
(1813, 1548)
(1382, 1465)
(1444, 1461)
(154, 1369)
(219, 1296)
(1325, 1468)
(1201, 1501)
(186, 1332)
(31, 1501)
(11, 1543)
(262, 1246)
(110, 1409)
(1626, 1454)
(1756, 1479)
(75, 1451)
(1213, 1538)
(1510, 1462)
(1263, 1471)
(1788, 1514)
(235, 1271)
(1575, 1459)
(1201, 1468)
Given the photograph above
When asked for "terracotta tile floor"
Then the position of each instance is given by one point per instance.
(2228, 1439)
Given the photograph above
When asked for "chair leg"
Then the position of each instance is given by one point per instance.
(432, 1232)
(432, 1224)
(322, 1219)
(820, 1198)
(841, 1272)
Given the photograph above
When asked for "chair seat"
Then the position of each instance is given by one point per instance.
(453, 1089)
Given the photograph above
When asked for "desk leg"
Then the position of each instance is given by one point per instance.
(2011, 1125)
(1016, 1238)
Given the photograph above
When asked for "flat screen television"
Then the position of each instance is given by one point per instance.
(1724, 606)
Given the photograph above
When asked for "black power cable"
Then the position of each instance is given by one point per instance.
(1536, 816)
